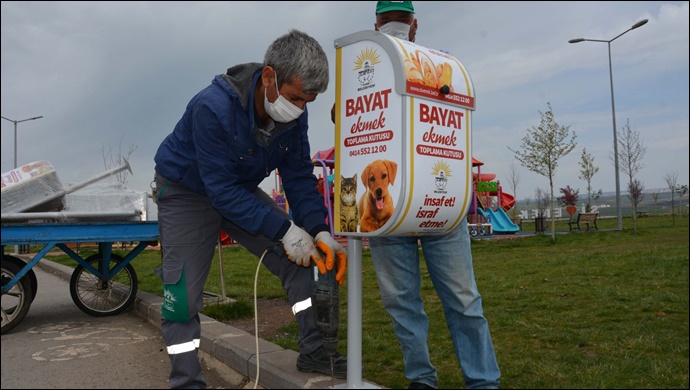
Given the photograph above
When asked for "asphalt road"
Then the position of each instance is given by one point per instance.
(57, 346)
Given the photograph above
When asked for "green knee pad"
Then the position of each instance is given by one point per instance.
(175, 307)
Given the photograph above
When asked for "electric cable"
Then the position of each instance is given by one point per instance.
(256, 318)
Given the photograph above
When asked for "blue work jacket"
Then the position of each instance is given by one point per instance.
(217, 150)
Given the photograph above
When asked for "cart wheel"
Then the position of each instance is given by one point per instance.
(31, 274)
(16, 302)
(482, 231)
(473, 232)
(98, 297)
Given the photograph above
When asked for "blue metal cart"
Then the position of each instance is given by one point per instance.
(102, 284)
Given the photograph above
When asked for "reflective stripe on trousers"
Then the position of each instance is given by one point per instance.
(302, 305)
(184, 347)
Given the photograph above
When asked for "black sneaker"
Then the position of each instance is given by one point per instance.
(419, 385)
(319, 361)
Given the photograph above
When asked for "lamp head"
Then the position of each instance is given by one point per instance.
(576, 40)
(639, 24)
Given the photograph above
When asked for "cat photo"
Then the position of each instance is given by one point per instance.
(348, 204)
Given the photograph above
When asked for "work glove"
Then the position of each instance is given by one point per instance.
(299, 245)
(333, 252)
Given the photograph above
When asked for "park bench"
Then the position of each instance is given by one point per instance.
(585, 218)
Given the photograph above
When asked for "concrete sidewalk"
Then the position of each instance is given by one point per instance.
(222, 344)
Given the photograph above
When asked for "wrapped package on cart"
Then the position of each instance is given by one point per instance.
(27, 186)
(34, 192)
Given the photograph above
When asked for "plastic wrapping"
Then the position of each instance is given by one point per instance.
(108, 200)
(34, 192)
(28, 187)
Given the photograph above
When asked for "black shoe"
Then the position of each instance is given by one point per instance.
(319, 361)
(419, 385)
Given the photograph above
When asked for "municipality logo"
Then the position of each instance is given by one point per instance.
(365, 67)
(442, 172)
(169, 300)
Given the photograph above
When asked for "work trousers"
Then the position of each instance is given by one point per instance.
(189, 229)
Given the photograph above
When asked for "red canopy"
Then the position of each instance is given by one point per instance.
(325, 155)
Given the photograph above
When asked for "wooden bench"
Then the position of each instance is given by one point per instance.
(585, 218)
(642, 214)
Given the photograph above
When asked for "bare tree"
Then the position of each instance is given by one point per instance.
(513, 179)
(631, 151)
(528, 202)
(542, 200)
(541, 149)
(110, 160)
(635, 193)
(587, 171)
(671, 180)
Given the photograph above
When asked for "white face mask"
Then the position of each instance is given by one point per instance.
(282, 110)
(396, 29)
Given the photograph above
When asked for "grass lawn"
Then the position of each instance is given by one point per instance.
(596, 309)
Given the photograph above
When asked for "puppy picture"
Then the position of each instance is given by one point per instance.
(375, 206)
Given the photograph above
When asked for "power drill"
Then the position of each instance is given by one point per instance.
(325, 299)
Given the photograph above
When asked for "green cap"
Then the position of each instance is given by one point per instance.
(387, 6)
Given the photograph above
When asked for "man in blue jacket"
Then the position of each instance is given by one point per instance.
(249, 122)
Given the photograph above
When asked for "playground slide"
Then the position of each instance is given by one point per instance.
(500, 222)
(507, 201)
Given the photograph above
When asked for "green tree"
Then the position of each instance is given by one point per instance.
(587, 171)
(541, 149)
(635, 194)
(631, 151)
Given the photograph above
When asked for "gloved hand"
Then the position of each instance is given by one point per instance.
(299, 245)
(333, 251)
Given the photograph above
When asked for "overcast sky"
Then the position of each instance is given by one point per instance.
(110, 75)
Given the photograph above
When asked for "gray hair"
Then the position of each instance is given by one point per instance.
(298, 54)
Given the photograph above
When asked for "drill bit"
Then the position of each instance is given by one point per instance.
(332, 373)
(325, 299)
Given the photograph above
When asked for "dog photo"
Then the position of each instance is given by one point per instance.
(376, 205)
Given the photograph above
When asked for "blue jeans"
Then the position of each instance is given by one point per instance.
(449, 262)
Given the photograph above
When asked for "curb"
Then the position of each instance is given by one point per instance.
(231, 346)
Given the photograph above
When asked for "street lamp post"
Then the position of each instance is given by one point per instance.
(15, 134)
(613, 111)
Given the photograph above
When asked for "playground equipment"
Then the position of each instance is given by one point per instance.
(324, 164)
(325, 159)
(489, 205)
